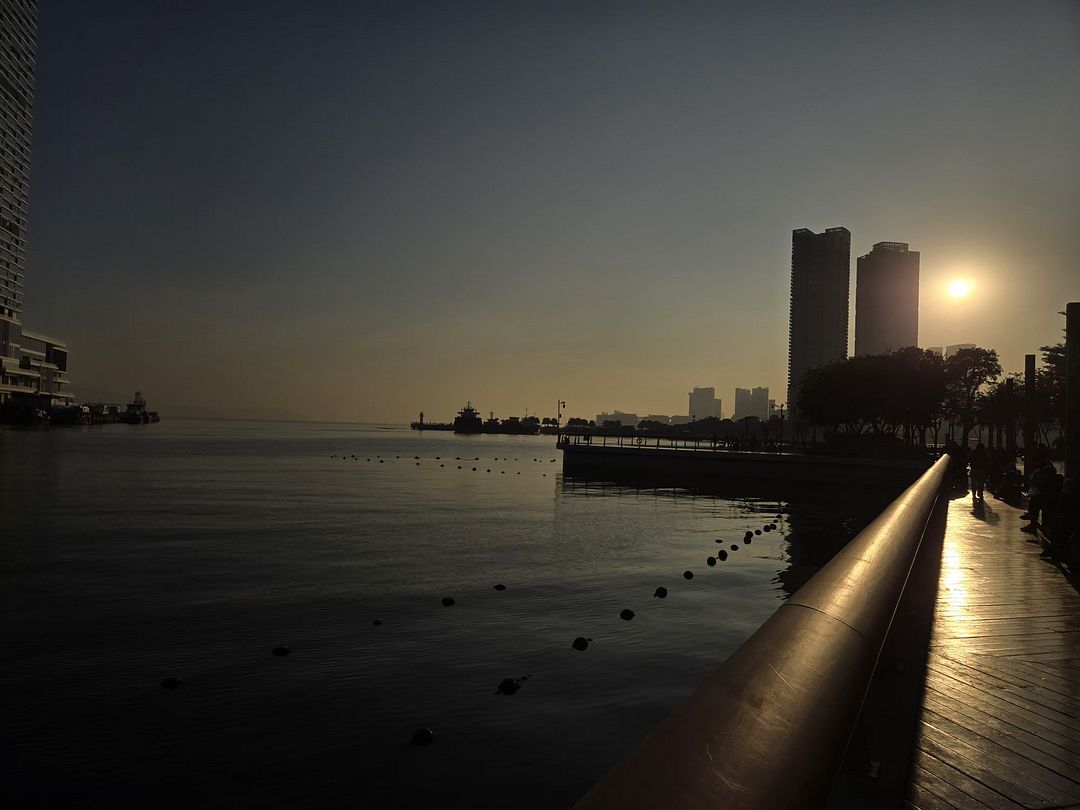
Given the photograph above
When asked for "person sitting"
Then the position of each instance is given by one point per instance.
(1040, 480)
(1055, 516)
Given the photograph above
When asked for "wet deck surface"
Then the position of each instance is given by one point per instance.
(1000, 719)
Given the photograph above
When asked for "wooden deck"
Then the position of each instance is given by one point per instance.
(1000, 719)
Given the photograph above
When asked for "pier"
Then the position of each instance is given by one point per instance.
(933, 663)
(675, 458)
(999, 721)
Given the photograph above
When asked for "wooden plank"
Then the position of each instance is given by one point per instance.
(969, 705)
(1019, 673)
(1010, 703)
(980, 768)
(920, 798)
(1063, 758)
(926, 782)
(1019, 767)
(1060, 704)
(963, 783)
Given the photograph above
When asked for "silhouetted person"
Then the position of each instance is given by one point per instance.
(1039, 488)
(980, 465)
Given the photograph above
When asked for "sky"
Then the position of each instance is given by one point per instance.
(356, 211)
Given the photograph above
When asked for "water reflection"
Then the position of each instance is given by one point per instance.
(817, 520)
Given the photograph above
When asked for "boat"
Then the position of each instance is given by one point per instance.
(137, 414)
(422, 425)
(468, 420)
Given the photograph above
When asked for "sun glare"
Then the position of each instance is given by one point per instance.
(960, 288)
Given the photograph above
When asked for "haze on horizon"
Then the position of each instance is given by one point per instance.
(358, 211)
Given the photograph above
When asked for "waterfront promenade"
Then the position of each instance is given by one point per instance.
(999, 724)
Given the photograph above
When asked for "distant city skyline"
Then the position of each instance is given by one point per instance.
(367, 212)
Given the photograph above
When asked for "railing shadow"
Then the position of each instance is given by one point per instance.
(880, 757)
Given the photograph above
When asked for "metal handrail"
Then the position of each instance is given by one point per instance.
(770, 728)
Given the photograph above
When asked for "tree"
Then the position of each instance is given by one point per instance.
(877, 395)
(966, 372)
(1050, 389)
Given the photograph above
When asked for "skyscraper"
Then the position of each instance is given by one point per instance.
(759, 403)
(742, 403)
(752, 402)
(818, 326)
(703, 404)
(18, 43)
(30, 363)
(887, 299)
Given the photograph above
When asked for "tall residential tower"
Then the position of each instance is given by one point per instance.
(18, 43)
(30, 363)
(818, 328)
(887, 299)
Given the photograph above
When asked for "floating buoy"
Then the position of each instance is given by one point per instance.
(489, 469)
(377, 622)
(474, 469)
(507, 686)
(171, 683)
(422, 736)
(710, 561)
(749, 540)
(380, 461)
(447, 601)
(735, 547)
(719, 539)
(756, 531)
(626, 614)
(500, 587)
(767, 527)
(416, 456)
(660, 593)
(722, 555)
(281, 651)
(688, 574)
(580, 643)
(748, 535)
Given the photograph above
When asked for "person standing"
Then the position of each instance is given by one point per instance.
(979, 466)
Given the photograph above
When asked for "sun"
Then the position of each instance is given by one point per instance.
(960, 288)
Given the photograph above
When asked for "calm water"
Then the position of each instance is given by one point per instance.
(192, 548)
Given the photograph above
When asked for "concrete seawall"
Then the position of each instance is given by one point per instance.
(737, 466)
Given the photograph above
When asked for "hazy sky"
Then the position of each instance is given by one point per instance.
(356, 211)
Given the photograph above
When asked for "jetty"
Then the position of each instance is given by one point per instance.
(706, 460)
